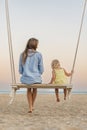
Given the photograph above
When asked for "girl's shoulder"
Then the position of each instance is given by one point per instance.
(59, 69)
(62, 68)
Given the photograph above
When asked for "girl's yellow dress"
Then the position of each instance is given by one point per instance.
(61, 78)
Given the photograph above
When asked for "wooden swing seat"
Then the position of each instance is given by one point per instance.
(17, 86)
(44, 86)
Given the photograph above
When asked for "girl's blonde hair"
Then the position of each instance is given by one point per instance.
(55, 63)
(31, 44)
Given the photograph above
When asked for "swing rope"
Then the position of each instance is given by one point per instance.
(78, 40)
(10, 42)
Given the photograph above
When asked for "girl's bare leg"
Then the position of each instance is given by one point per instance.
(65, 93)
(34, 94)
(29, 97)
(57, 94)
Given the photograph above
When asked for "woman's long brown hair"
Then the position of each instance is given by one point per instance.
(31, 44)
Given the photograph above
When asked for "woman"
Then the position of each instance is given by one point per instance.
(31, 69)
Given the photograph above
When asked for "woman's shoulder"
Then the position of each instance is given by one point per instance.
(38, 53)
(21, 54)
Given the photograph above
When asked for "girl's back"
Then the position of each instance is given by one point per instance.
(60, 76)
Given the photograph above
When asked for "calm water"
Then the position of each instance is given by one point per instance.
(42, 91)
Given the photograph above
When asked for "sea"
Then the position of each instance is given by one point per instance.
(41, 91)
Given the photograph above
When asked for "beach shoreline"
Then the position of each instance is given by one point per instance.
(47, 115)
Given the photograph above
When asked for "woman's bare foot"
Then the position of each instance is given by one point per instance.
(64, 98)
(58, 100)
(29, 111)
(33, 108)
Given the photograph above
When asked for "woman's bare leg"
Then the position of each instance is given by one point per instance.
(57, 94)
(29, 97)
(34, 94)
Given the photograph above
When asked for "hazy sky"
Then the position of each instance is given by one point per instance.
(56, 24)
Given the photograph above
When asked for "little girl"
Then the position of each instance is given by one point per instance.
(59, 76)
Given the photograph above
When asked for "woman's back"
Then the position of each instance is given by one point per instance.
(33, 68)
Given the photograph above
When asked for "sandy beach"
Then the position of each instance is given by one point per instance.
(47, 115)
